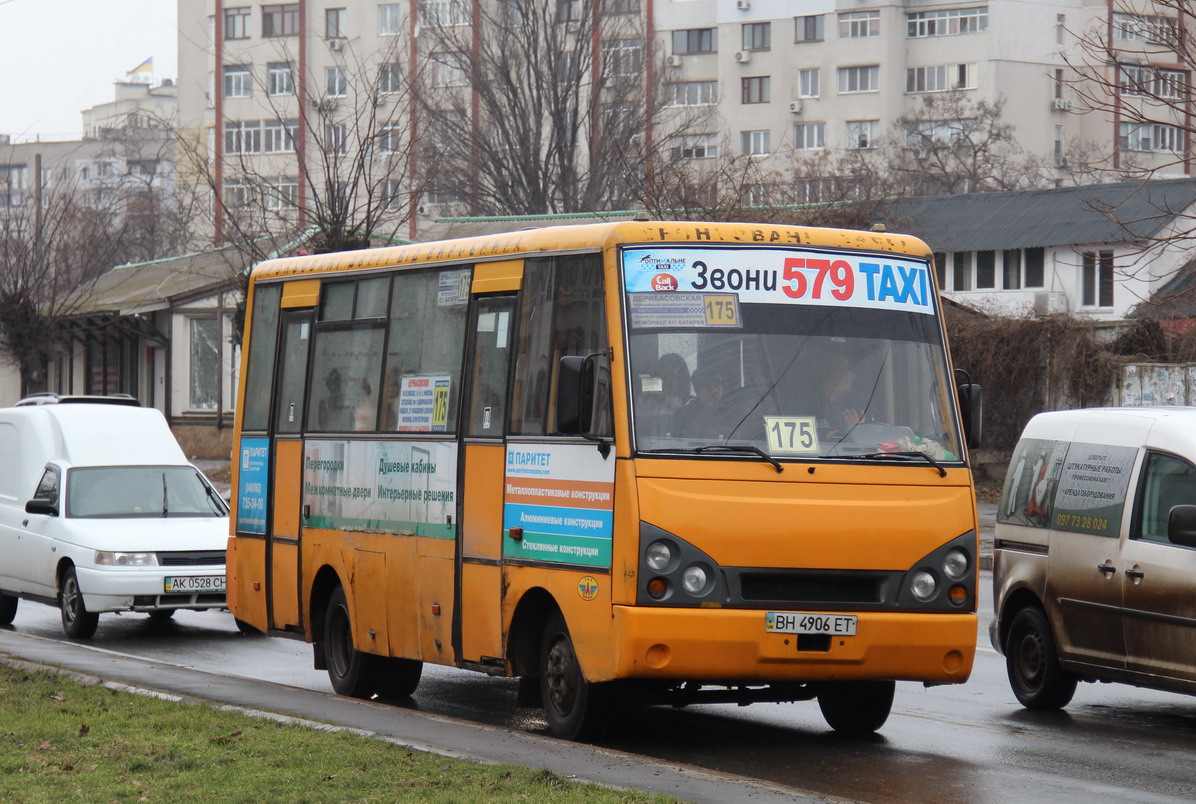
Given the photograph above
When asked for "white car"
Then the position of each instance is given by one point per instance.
(100, 511)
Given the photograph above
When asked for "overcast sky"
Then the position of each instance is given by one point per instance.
(59, 57)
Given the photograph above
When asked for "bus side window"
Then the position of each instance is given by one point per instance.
(346, 373)
(563, 313)
(263, 345)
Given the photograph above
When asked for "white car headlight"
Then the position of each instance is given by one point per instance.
(955, 564)
(923, 586)
(107, 558)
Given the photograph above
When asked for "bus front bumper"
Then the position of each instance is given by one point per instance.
(732, 645)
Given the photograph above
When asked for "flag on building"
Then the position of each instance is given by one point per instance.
(146, 67)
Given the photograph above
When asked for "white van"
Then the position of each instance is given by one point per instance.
(1094, 561)
(101, 511)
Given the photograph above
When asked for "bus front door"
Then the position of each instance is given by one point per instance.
(282, 545)
(479, 579)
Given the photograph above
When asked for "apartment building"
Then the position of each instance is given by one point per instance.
(776, 77)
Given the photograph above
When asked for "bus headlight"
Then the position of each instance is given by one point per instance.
(696, 579)
(955, 564)
(659, 556)
(923, 585)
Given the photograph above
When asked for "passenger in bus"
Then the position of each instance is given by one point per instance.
(704, 415)
(662, 393)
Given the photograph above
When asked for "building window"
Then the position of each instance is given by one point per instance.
(334, 23)
(754, 89)
(1034, 262)
(1150, 137)
(1097, 279)
(390, 19)
(444, 13)
(280, 78)
(1060, 28)
(1140, 28)
(986, 269)
(390, 139)
(238, 81)
(757, 35)
(623, 57)
(859, 79)
(1011, 269)
(863, 133)
(946, 22)
(691, 93)
(809, 136)
(694, 146)
(278, 136)
(694, 41)
(205, 381)
(1142, 79)
(337, 82)
(621, 6)
(940, 78)
(807, 29)
(390, 79)
(280, 20)
(336, 138)
(243, 136)
(961, 270)
(446, 70)
(755, 143)
(859, 24)
(236, 23)
(808, 83)
(281, 194)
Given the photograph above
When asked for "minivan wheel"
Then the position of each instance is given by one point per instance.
(8, 608)
(77, 621)
(1033, 663)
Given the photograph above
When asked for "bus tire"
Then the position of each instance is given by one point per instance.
(77, 621)
(856, 707)
(8, 608)
(571, 704)
(1032, 663)
(396, 678)
(349, 670)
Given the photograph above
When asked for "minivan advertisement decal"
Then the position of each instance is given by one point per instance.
(1076, 487)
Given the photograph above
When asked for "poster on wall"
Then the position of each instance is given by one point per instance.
(253, 476)
(403, 487)
(562, 497)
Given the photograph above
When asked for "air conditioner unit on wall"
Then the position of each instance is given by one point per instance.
(1062, 104)
(674, 60)
(795, 107)
(743, 56)
(336, 44)
(743, 5)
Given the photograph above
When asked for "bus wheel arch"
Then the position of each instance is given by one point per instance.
(325, 582)
(523, 642)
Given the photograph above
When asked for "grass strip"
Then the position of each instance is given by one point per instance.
(66, 741)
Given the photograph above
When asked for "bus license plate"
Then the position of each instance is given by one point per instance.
(796, 622)
(194, 583)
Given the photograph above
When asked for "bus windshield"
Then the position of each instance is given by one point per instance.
(768, 366)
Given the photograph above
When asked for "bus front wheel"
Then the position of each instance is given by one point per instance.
(856, 707)
(571, 704)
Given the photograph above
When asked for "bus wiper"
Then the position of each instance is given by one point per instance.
(904, 454)
(722, 448)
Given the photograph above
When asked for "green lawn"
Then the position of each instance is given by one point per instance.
(62, 741)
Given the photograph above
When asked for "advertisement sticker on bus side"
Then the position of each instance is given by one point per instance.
(562, 496)
(407, 487)
(252, 481)
(782, 276)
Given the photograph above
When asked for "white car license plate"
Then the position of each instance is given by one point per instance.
(797, 622)
(194, 583)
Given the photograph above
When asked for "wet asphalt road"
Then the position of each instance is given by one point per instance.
(968, 743)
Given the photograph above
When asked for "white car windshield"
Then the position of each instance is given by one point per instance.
(719, 371)
(109, 492)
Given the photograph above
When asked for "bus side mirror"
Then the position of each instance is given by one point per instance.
(1181, 525)
(971, 409)
(570, 395)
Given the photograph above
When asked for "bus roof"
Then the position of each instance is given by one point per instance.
(590, 237)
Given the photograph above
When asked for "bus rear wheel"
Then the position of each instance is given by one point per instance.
(358, 674)
(856, 707)
(571, 704)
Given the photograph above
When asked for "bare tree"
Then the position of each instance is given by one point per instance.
(542, 107)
